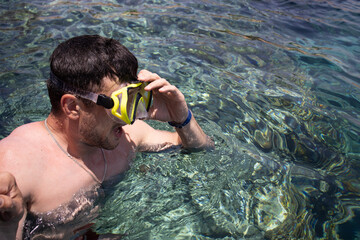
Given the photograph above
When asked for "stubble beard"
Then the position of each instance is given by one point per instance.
(91, 138)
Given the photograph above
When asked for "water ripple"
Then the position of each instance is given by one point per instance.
(275, 83)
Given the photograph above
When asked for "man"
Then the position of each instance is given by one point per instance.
(52, 171)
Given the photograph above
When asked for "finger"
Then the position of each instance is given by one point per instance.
(159, 83)
(147, 76)
(10, 208)
(173, 92)
(7, 208)
(6, 203)
(7, 181)
(10, 194)
(169, 88)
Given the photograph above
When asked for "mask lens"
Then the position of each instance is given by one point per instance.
(140, 110)
(147, 96)
(136, 106)
(133, 102)
(119, 97)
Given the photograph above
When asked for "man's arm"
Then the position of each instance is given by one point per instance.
(169, 105)
(12, 209)
(191, 135)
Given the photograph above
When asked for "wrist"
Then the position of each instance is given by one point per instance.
(183, 124)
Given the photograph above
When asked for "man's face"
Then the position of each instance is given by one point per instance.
(97, 128)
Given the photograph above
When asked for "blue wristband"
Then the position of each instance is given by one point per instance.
(184, 123)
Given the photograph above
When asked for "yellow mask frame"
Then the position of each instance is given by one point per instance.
(130, 102)
(127, 104)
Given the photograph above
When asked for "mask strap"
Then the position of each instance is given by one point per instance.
(105, 101)
(101, 99)
(61, 85)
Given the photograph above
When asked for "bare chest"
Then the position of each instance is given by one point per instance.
(60, 181)
(66, 219)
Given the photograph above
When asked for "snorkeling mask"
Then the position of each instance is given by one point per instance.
(131, 102)
(126, 104)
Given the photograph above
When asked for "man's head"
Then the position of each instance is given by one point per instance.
(83, 62)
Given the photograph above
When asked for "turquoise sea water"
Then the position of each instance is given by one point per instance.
(275, 83)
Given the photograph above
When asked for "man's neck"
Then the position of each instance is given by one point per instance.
(65, 132)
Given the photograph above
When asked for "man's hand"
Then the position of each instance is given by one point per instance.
(169, 105)
(11, 205)
(168, 102)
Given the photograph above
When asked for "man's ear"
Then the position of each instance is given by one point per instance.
(70, 106)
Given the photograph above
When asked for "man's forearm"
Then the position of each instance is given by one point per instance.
(192, 136)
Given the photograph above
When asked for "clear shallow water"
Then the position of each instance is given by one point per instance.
(275, 83)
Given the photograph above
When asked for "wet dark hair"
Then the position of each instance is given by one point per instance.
(82, 62)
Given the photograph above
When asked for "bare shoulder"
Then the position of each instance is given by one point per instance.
(22, 137)
(19, 151)
(23, 143)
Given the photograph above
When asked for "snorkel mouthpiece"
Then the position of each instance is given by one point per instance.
(105, 101)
